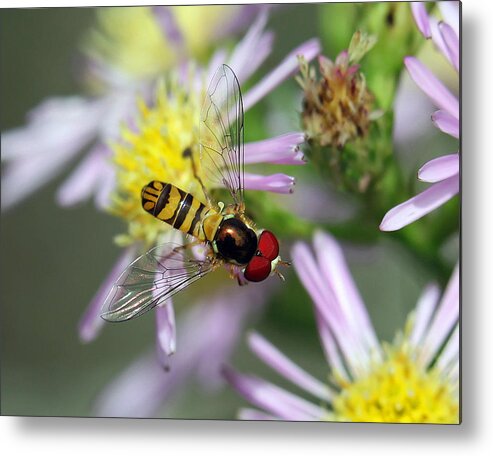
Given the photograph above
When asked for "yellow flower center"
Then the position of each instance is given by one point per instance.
(153, 150)
(131, 39)
(398, 390)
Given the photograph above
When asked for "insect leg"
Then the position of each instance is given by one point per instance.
(235, 273)
(188, 153)
(280, 275)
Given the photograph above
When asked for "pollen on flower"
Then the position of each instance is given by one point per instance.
(153, 150)
(336, 107)
(400, 390)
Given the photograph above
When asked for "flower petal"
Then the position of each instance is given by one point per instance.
(451, 42)
(56, 123)
(91, 323)
(327, 306)
(440, 168)
(165, 327)
(435, 89)
(57, 130)
(107, 184)
(420, 205)
(225, 318)
(334, 268)
(98, 69)
(283, 149)
(447, 123)
(252, 50)
(449, 357)
(272, 398)
(134, 393)
(33, 173)
(84, 181)
(453, 375)
(121, 108)
(437, 39)
(421, 18)
(171, 31)
(411, 111)
(444, 320)
(330, 348)
(165, 315)
(424, 309)
(451, 13)
(243, 17)
(284, 70)
(275, 183)
(280, 363)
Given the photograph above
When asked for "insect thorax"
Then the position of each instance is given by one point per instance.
(235, 241)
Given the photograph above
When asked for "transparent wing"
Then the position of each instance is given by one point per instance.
(151, 279)
(221, 133)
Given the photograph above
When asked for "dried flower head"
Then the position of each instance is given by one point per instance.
(340, 121)
(337, 107)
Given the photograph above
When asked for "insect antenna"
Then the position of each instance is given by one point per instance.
(280, 275)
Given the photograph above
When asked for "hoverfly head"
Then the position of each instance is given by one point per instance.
(265, 261)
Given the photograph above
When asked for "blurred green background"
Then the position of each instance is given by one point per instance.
(53, 259)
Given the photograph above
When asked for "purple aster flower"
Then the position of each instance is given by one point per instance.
(414, 379)
(60, 129)
(443, 172)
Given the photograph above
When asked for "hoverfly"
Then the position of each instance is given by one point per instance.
(228, 235)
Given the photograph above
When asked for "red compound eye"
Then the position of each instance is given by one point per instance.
(258, 269)
(268, 245)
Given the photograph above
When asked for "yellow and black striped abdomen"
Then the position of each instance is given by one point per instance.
(180, 209)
